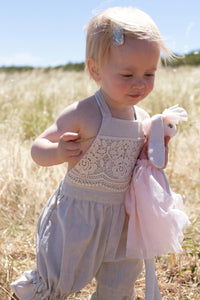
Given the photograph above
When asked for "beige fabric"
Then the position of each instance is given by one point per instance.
(82, 230)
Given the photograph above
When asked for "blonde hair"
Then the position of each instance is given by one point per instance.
(134, 23)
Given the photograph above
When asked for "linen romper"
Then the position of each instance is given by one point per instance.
(82, 231)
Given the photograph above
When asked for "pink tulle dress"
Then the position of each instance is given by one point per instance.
(156, 217)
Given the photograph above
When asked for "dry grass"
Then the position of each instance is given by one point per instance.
(29, 102)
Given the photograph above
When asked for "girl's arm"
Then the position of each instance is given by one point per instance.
(56, 144)
(47, 153)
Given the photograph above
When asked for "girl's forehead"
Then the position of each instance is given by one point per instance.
(137, 46)
(135, 51)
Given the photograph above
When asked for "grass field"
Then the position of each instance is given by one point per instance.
(29, 102)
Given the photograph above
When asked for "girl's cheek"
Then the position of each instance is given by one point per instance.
(151, 85)
(122, 85)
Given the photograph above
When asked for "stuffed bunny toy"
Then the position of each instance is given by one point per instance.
(156, 219)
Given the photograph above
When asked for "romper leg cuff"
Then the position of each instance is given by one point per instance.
(30, 286)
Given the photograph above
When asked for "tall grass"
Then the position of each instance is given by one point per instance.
(30, 102)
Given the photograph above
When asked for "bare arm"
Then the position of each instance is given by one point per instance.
(47, 153)
(56, 144)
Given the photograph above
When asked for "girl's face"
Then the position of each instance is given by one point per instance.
(127, 76)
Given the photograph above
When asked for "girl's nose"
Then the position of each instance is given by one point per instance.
(138, 83)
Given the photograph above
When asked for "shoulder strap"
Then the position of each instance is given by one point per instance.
(102, 104)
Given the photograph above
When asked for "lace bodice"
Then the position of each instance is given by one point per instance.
(110, 160)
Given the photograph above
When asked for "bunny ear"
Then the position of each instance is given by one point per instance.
(156, 149)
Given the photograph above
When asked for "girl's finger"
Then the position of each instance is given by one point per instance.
(70, 136)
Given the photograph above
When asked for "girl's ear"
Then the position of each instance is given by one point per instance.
(94, 69)
(156, 149)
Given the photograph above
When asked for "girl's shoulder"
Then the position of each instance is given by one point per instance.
(141, 113)
(79, 107)
(80, 116)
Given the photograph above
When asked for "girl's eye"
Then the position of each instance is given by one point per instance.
(150, 75)
(126, 75)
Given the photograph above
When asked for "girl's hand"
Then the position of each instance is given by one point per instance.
(167, 139)
(68, 149)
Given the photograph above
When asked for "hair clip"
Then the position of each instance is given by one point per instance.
(118, 35)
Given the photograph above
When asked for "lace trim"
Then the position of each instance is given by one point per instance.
(109, 163)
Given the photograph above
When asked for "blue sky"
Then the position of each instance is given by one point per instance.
(51, 32)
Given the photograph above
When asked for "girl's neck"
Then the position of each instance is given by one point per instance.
(119, 111)
(125, 114)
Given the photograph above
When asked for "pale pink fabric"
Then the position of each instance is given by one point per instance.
(156, 222)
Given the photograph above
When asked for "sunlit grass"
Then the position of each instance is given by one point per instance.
(30, 102)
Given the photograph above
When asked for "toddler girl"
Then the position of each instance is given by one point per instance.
(82, 231)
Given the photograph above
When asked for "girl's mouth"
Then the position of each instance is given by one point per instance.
(135, 96)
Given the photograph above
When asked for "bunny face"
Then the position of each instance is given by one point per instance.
(169, 128)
